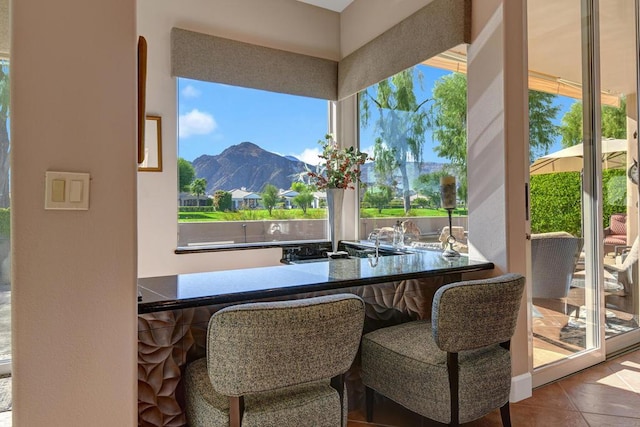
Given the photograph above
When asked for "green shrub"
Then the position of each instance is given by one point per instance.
(5, 222)
(421, 202)
(222, 201)
(396, 203)
(614, 193)
(556, 203)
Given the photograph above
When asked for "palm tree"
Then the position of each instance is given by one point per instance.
(198, 187)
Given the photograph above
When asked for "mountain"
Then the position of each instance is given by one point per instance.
(247, 165)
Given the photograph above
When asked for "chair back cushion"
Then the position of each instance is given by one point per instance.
(476, 313)
(618, 224)
(258, 347)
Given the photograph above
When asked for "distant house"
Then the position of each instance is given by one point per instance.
(319, 199)
(288, 196)
(188, 199)
(243, 199)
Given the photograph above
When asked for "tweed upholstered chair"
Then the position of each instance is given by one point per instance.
(276, 364)
(456, 368)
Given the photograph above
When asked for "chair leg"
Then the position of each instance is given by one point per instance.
(368, 403)
(504, 414)
(452, 367)
(236, 410)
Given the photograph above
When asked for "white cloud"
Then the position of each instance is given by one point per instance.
(190, 92)
(310, 156)
(196, 122)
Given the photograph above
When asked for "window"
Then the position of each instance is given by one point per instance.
(243, 157)
(5, 228)
(414, 125)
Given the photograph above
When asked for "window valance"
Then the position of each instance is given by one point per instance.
(439, 26)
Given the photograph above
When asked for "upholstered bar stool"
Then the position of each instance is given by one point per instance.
(276, 364)
(457, 367)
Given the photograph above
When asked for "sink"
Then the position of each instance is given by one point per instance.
(363, 251)
(303, 254)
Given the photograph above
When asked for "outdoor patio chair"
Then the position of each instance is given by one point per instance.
(554, 257)
(625, 271)
(276, 364)
(616, 233)
(457, 367)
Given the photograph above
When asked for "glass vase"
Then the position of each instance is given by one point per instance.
(335, 197)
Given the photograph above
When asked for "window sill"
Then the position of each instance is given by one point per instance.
(196, 249)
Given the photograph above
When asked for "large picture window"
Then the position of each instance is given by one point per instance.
(243, 157)
(414, 125)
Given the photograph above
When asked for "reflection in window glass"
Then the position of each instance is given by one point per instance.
(414, 125)
(243, 158)
(5, 258)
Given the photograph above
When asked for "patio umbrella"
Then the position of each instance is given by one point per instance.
(614, 156)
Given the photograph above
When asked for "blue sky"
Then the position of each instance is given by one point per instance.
(213, 117)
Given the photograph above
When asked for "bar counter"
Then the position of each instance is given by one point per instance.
(175, 310)
(234, 286)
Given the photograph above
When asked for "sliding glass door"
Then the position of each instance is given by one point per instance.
(5, 246)
(618, 65)
(584, 191)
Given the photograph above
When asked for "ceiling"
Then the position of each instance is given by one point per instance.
(335, 5)
(555, 42)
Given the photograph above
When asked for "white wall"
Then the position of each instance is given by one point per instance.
(364, 20)
(497, 161)
(73, 69)
(282, 24)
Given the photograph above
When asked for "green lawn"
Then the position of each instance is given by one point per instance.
(283, 214)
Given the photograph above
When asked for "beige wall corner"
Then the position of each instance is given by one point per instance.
(73, 69)
(498, 147)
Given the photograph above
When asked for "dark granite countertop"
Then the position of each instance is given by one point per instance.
(230, 286)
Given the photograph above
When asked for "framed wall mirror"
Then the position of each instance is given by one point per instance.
(152, 161)
(142, 91)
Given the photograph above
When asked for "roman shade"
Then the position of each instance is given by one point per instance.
(439, 26)
(216, 59)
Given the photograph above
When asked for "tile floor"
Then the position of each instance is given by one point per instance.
(558, 333)
(607, 394)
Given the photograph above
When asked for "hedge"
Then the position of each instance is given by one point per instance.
(556, 200)
(5, 222)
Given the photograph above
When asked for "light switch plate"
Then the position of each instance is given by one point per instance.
(73, 186)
